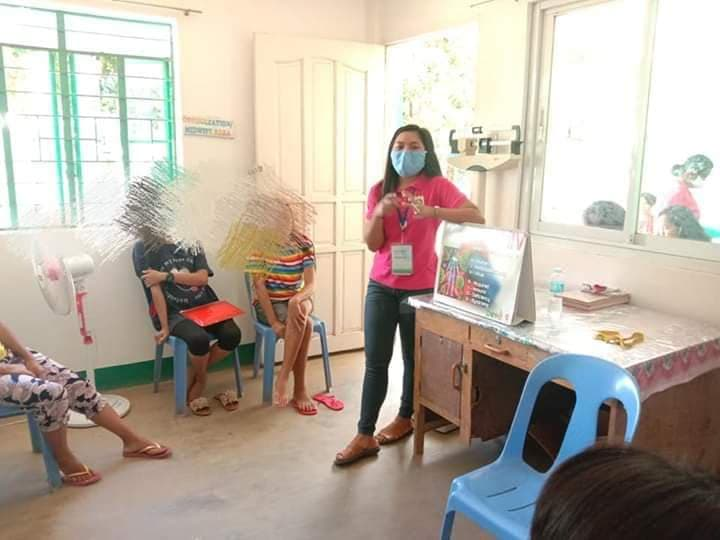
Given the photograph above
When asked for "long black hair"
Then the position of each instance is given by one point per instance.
(685, 223)
(391, 180)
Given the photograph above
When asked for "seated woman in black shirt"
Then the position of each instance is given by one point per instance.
(178, 279)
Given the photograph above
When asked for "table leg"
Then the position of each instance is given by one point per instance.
(419, 429)
(617, 423)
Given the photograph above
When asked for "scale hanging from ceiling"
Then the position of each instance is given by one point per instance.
(482, 149)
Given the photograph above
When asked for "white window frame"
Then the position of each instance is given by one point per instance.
(539, 75)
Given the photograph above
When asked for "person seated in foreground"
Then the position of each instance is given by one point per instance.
(48, 390)
(625, 493)
(177, 277)
(284, 286)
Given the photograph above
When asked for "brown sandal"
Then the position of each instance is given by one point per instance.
(384, 439)
(229, 400)
(355, 454)
(200, 407)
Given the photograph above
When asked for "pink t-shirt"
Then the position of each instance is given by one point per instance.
(684, 197)
(420, 233)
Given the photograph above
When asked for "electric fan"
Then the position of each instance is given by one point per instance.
(62, 283)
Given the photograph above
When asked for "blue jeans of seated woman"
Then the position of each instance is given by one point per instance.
(385, 310)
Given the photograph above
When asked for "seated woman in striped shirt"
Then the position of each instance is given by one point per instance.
(284, 286)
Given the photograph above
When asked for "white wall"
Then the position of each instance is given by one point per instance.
(216, 70)
(501, 69)
(665, 283)
(217, 79)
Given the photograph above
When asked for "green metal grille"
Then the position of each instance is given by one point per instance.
(83, 100)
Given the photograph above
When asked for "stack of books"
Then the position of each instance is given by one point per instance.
(586, 301)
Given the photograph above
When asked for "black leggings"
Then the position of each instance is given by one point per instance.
(198, 338)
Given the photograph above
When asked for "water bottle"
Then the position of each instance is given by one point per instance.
(557, 287)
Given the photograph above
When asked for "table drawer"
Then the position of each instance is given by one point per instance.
(504, 349)
(443, 325)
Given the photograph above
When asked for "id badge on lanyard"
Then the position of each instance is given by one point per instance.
(402, 253)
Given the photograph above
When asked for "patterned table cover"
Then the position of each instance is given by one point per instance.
(674, 352)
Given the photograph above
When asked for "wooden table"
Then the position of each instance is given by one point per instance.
(470, 371)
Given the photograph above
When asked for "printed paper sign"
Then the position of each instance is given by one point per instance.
(486, 271)
(197, 126)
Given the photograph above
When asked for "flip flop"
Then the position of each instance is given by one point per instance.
(200, 407)
(330, 401)
(228, 399)
(304, 412)
(383, 439)
(82, 478)
(356, 456)
(146, 452)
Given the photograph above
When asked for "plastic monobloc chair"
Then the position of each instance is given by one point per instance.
(38, 444)
(265, 341)
(501, 496)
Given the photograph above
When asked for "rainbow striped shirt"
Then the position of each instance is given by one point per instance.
(284, 275)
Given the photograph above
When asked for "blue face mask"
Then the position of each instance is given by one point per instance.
(408, 162)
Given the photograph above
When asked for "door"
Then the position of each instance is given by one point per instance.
(441, 374)
(318, 124)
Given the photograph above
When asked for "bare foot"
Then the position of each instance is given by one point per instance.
(395, 430)
(281, 397)
(303, 402)
(361, 446)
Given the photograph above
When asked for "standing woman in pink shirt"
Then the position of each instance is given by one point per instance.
(403, 214)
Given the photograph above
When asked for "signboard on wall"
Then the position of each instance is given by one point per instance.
(487, 272)
(200, 126)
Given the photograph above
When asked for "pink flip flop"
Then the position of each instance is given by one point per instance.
(330, 401)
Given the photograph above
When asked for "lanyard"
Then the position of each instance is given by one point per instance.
(403, 218)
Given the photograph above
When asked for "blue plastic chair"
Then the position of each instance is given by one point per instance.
(38, 444)
(265, 340)
(180, 359)
(179, 347)
(501, 496)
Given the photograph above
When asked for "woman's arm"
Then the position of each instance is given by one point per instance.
(266, 305)
(190, 279)
(309, 287)
(158, 298)
(11, 342)
(373, 232)
(31, 367)
(467, 213)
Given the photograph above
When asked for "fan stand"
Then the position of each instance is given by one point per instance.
(119, 403)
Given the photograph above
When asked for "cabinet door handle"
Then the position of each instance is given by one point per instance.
(455, 370)
(497, 350)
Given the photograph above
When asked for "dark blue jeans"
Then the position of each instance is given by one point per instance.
(385, 310)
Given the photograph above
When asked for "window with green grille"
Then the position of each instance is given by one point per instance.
(83, 100)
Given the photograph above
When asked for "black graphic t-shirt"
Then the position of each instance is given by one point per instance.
(174, 258)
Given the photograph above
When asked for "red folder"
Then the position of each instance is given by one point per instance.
(212, 313)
